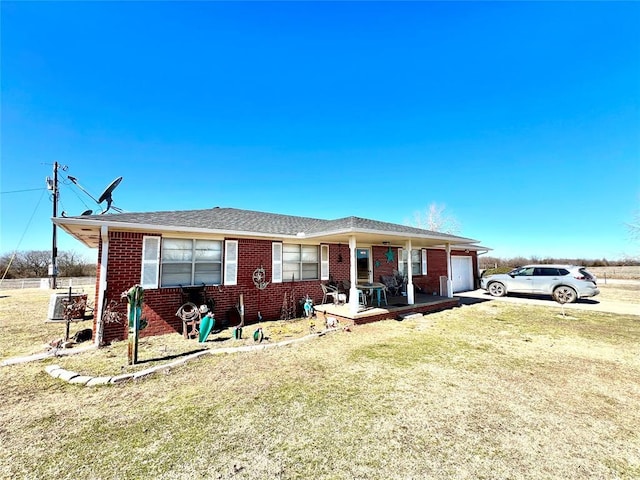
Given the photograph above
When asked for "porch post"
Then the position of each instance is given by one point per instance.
(353, 276)
(449, 273)
(410, 293)
(102, 285)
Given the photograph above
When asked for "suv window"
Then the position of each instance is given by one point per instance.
(547, 272)
(522, 272)
(586, 274)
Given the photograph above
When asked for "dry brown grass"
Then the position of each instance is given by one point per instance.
(617, 292)
(624, 272)
(492, 390)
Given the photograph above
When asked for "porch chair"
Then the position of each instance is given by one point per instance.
(329, 291)
(362, 296)
(391, 284)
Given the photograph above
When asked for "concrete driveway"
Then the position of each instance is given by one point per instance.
(623, 308)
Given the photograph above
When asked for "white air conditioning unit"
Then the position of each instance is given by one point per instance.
(57, 302)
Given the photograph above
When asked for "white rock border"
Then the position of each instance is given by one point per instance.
(56, 371)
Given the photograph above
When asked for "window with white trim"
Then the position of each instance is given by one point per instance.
(300, 262)
(190, 262)
(418, 261)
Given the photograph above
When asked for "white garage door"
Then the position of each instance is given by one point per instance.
(462, 273)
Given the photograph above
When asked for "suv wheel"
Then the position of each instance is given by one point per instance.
(497, 289)
(564, 294)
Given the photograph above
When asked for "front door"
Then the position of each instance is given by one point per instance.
(364, 265)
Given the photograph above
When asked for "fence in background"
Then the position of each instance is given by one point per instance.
(62, 282)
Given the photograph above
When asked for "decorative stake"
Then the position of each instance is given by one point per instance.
(135, 298)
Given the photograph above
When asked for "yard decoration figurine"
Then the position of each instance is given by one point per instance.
(206, 325)
(561, 299)
(308, 307)
(135, 297)
(258, 335)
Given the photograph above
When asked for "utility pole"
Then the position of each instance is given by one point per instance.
(53, 267)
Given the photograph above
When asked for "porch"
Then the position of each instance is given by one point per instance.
(396, 308)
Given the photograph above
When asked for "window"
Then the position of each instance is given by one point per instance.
(522, 272)
(546, 272)
(418, 261)
(191, 262)
(300, 262)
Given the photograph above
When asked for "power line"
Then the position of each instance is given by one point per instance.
(23, 234)
(26, 190)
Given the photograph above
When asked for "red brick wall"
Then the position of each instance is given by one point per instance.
(161, 305)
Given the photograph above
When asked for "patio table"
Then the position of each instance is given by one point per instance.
(378, 288)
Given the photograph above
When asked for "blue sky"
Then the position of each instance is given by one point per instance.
(523, 119)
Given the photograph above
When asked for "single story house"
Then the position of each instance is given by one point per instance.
(267, 258)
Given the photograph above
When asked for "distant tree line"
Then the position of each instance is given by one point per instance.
(486, 262)
(35, 264)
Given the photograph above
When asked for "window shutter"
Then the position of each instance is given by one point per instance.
(400, 261)
(231, 262)
(150, 262)
(424, 261)
(324, 262)
(276, 262)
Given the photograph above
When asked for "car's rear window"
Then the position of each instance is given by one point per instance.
(585, 273)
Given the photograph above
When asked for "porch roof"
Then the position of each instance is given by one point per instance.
(253, 224)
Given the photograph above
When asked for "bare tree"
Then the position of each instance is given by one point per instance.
(35, 263)
(71, 265)
(435, 218)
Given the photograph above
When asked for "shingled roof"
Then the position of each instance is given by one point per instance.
(247, 222)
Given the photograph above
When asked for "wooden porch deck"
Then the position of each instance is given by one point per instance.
(396, 308)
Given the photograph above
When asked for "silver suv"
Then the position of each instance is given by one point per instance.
(565, 283)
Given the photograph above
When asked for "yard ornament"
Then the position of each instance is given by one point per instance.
(135, 298)
(206, 325)
(258, 335)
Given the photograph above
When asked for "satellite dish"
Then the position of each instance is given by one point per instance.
(106, 195)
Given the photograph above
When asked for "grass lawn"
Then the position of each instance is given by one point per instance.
(492, 390)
